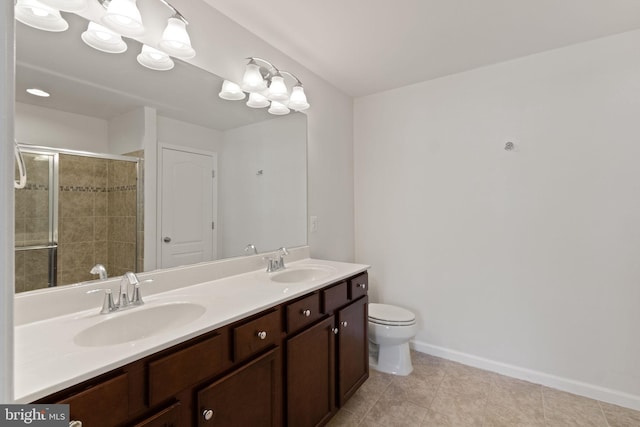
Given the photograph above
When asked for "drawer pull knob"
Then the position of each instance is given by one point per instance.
(306, 313)
(335, 331)
(207, 414)
(262, 335)
(361, 285)
(344, 324)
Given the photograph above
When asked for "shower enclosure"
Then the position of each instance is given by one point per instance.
(76, 210)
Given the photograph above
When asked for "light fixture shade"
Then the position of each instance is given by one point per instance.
(175, 39)
(277, 89)
(103, 39)
(257, 100)
(252, 80)
(40, 16)
(298, 100)
(278, 108)
(124, 17)
(231, 91)
(154, 59)
(66, 5)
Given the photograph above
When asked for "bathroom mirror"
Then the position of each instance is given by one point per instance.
(109, 104)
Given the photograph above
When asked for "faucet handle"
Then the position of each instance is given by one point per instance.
(137, 296)
(283, 251)
(108, 305)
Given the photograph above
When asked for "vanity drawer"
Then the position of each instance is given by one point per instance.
(101, 404)
(334, 297)
(358, 286)
(177, 371)
(256, 335)
(303, 312)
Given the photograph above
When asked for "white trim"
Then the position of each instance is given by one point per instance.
(565, 384)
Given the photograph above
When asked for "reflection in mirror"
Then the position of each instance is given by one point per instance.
(77, 210)
(255, 163)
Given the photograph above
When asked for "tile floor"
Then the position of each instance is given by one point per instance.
(443, 393)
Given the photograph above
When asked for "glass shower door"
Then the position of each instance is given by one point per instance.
(35, 223)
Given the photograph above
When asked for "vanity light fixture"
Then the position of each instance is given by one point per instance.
(120, 18)
(103, 39)
(267, 88)
(154, 59)
(124, 17)
(39, 15)
(231, 91)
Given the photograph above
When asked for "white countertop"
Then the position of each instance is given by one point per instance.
(48, 360)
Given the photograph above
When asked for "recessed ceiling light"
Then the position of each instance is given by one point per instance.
(38, 92)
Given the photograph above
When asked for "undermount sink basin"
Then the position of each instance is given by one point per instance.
(302, 274)
(139, 322)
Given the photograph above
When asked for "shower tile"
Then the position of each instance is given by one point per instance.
(36, 203)
(20, 202)
(101, 173)
(75, 276)
(36, 261)
(37, 231)
(74, 230)
(76, 203)
(20, 231)
(76, 171)
(101, 229)
(36, 281)
(101, 203)
(122, 229)
(74, 256)
(101, 254)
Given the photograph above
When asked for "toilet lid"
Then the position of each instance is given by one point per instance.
(386, 314)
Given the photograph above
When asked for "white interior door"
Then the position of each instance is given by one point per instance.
(188, 207)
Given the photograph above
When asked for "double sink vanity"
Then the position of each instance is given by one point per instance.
(223, 343)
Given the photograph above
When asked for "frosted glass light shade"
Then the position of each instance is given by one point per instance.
(175, 39)
(154, 59)
(124, 17)
(66, 5)
(252, 80)
(103, 39)
(278, 108)
(231, 91)
(277, 89)
(298, 100)
(257, 100)
(39, 15)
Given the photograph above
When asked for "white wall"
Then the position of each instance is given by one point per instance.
(176, 132)
(529, 257)
(7, 93)
(59, 129)
(127, 131)
(276, 147)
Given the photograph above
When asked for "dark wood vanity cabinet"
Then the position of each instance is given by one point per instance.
(294, 364)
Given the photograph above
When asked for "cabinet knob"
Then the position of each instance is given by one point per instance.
(207, 414)
(335, 331)
(306, 313)
(344, 324)
(361, 285)
(167, 240)
(262, 335)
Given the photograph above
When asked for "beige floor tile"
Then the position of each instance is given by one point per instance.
(500, 415)
(435, 418)
(392, 410)
(363, 400)
(521, 397)
(344, 418)
(620, 417)
(563, 409)
(417, 389)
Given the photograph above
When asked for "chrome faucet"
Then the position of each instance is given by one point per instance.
(100, 270)
(251, 248)
(129, 278)
(276, 263)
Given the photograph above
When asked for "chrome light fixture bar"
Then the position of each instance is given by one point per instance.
(267, 88)
(121, 18)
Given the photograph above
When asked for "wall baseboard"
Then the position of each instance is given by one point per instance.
(565, 384)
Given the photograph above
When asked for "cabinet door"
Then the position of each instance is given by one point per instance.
(311, 375)
(353, 348)
(249, 396)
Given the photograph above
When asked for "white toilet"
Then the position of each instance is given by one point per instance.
(390, 329)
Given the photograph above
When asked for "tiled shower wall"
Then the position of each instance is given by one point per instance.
(97, 221)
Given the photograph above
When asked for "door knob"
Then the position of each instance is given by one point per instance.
(207, 414)
(167, 239)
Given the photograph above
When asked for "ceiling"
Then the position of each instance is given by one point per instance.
(368, 46)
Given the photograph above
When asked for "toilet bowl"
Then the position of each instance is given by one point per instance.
(390, 329)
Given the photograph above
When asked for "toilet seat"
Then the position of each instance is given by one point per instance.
(390, 315)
